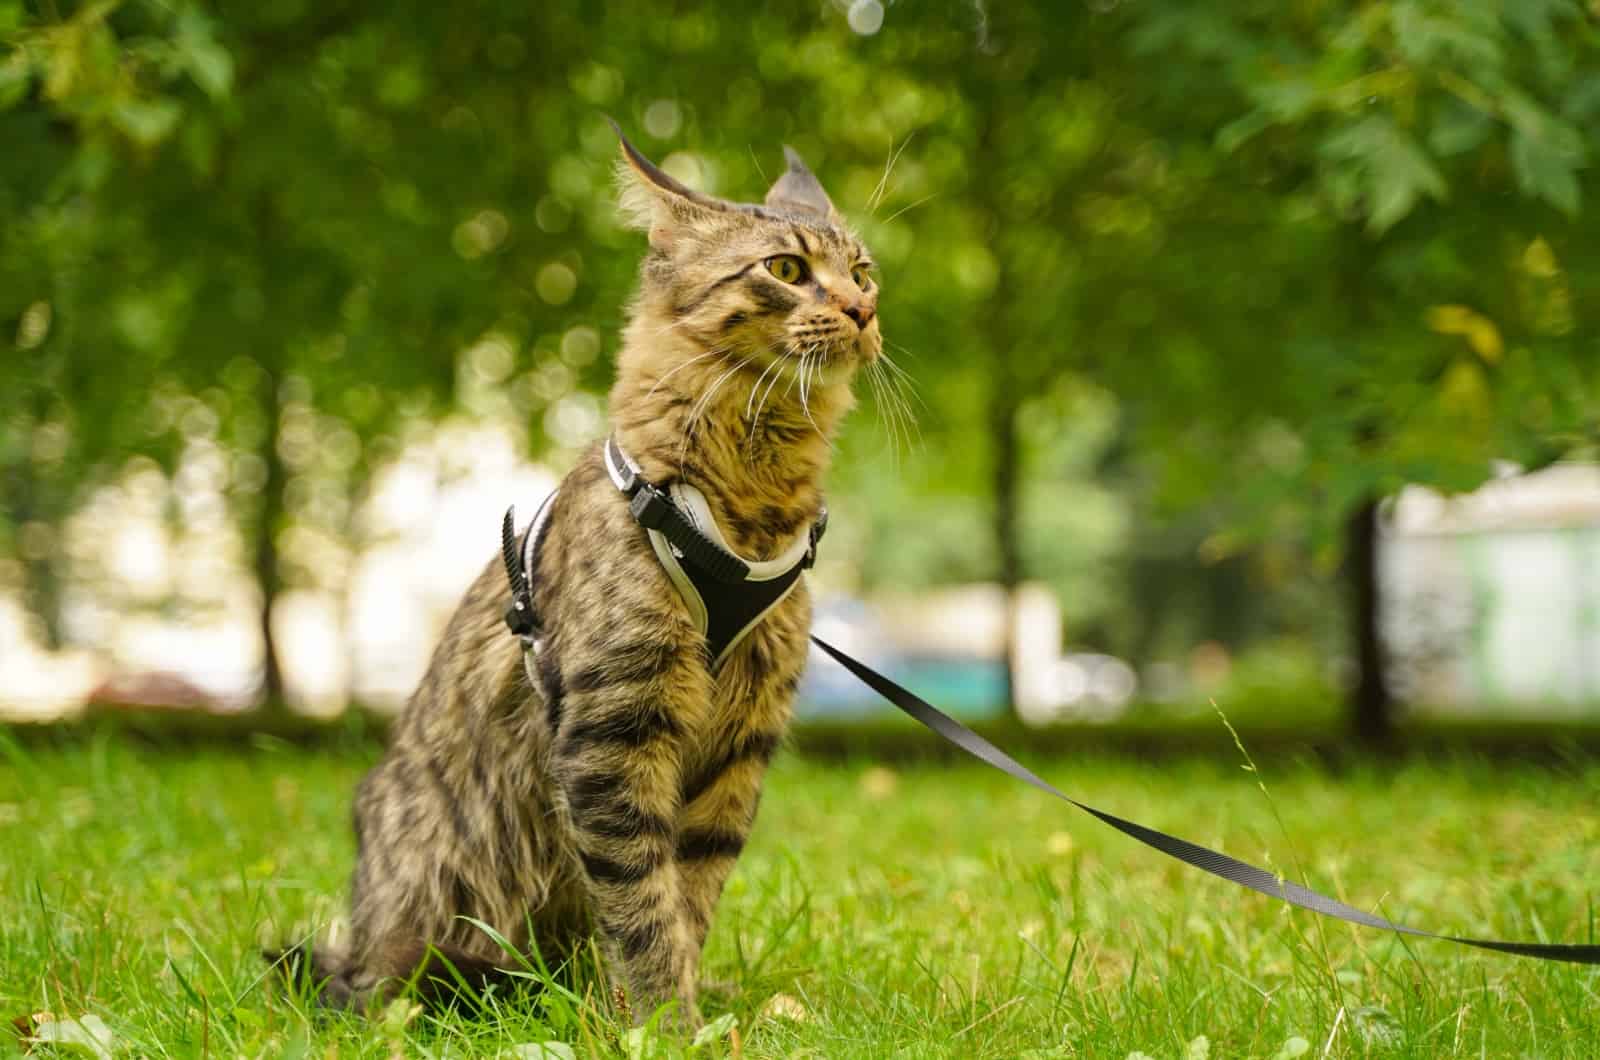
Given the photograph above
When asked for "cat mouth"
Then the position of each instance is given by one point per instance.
(832, 347)
(819, 362)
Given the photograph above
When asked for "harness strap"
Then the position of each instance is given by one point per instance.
(653, 509)
(726, 596)
(519, 559)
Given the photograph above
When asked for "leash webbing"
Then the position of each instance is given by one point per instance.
(1214, 862)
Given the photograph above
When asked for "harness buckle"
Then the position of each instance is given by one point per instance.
(649, 506)
(818, 528)
(520, 619)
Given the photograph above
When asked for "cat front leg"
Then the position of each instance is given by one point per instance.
(629, 714)
(754, 695)
(718, 812)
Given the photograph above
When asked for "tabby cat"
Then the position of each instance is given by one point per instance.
(612, 792)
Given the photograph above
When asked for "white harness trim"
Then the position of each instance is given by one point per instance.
(725, 594)
(692, 504)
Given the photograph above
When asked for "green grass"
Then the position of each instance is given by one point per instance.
(960, 914)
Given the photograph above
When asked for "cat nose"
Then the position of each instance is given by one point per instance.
(860, 312)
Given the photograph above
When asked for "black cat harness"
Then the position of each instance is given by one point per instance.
(726, 595)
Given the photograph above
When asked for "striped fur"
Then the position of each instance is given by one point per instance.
(613, 793)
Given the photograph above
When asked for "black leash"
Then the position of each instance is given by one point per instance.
(1229, 868)
(652, 508)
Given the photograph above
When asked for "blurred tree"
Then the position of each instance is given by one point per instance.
(1430, 160)
(1033, 190)
(1315, 251)
(297, 220)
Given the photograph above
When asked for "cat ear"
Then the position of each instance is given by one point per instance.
(656, 202)
(798, 189)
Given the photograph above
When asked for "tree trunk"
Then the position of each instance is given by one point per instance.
(1003, 406)
(269, 576)
(1371, 709)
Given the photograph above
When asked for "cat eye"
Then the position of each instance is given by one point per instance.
(787, 268)
(861, 276)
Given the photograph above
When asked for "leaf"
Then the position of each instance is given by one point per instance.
(784, 1007)
(1242, 130)
(1546, 169)
(1294, 1047)
(398, 1014)
(639, 1043)
(1449, 319)
(147, 123)
(1198, 1049)
(1377, 1027)
(210, 65)
(1285, 100)
(716, 1030)
(1445, 40)
(206, 60)
(1459, 128)
(15, 77)
(88, 1034)
(1394, 172)
(1479, 331)
(544, 1051)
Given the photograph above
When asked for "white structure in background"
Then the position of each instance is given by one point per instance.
(438, 532)
(1088, 687)
(39, 684)
(434, 521)
(969, 622)
(1493, 598)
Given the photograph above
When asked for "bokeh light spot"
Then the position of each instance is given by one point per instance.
(663, 118)
(580, 345)
(866, 17)
(556, 283)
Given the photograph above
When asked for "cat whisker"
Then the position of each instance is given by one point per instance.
(761, 406)
(776, 361)
(896, 408)
(672, 325)
(701, 407)
(887, 417)
(714, 352)
(904, 381)
(891, 416)
(807, 363)
(875, 200)
(902, 349)
(912, 206)
(753, 409)
(794, 375)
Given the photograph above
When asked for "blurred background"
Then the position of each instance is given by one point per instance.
(1251, 347)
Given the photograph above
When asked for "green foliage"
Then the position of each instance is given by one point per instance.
(1313, 250)
(1400, 159)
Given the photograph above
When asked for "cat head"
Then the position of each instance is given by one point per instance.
(783, 279)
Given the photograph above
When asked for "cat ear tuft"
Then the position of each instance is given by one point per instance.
(655, 201)
(799, 189)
